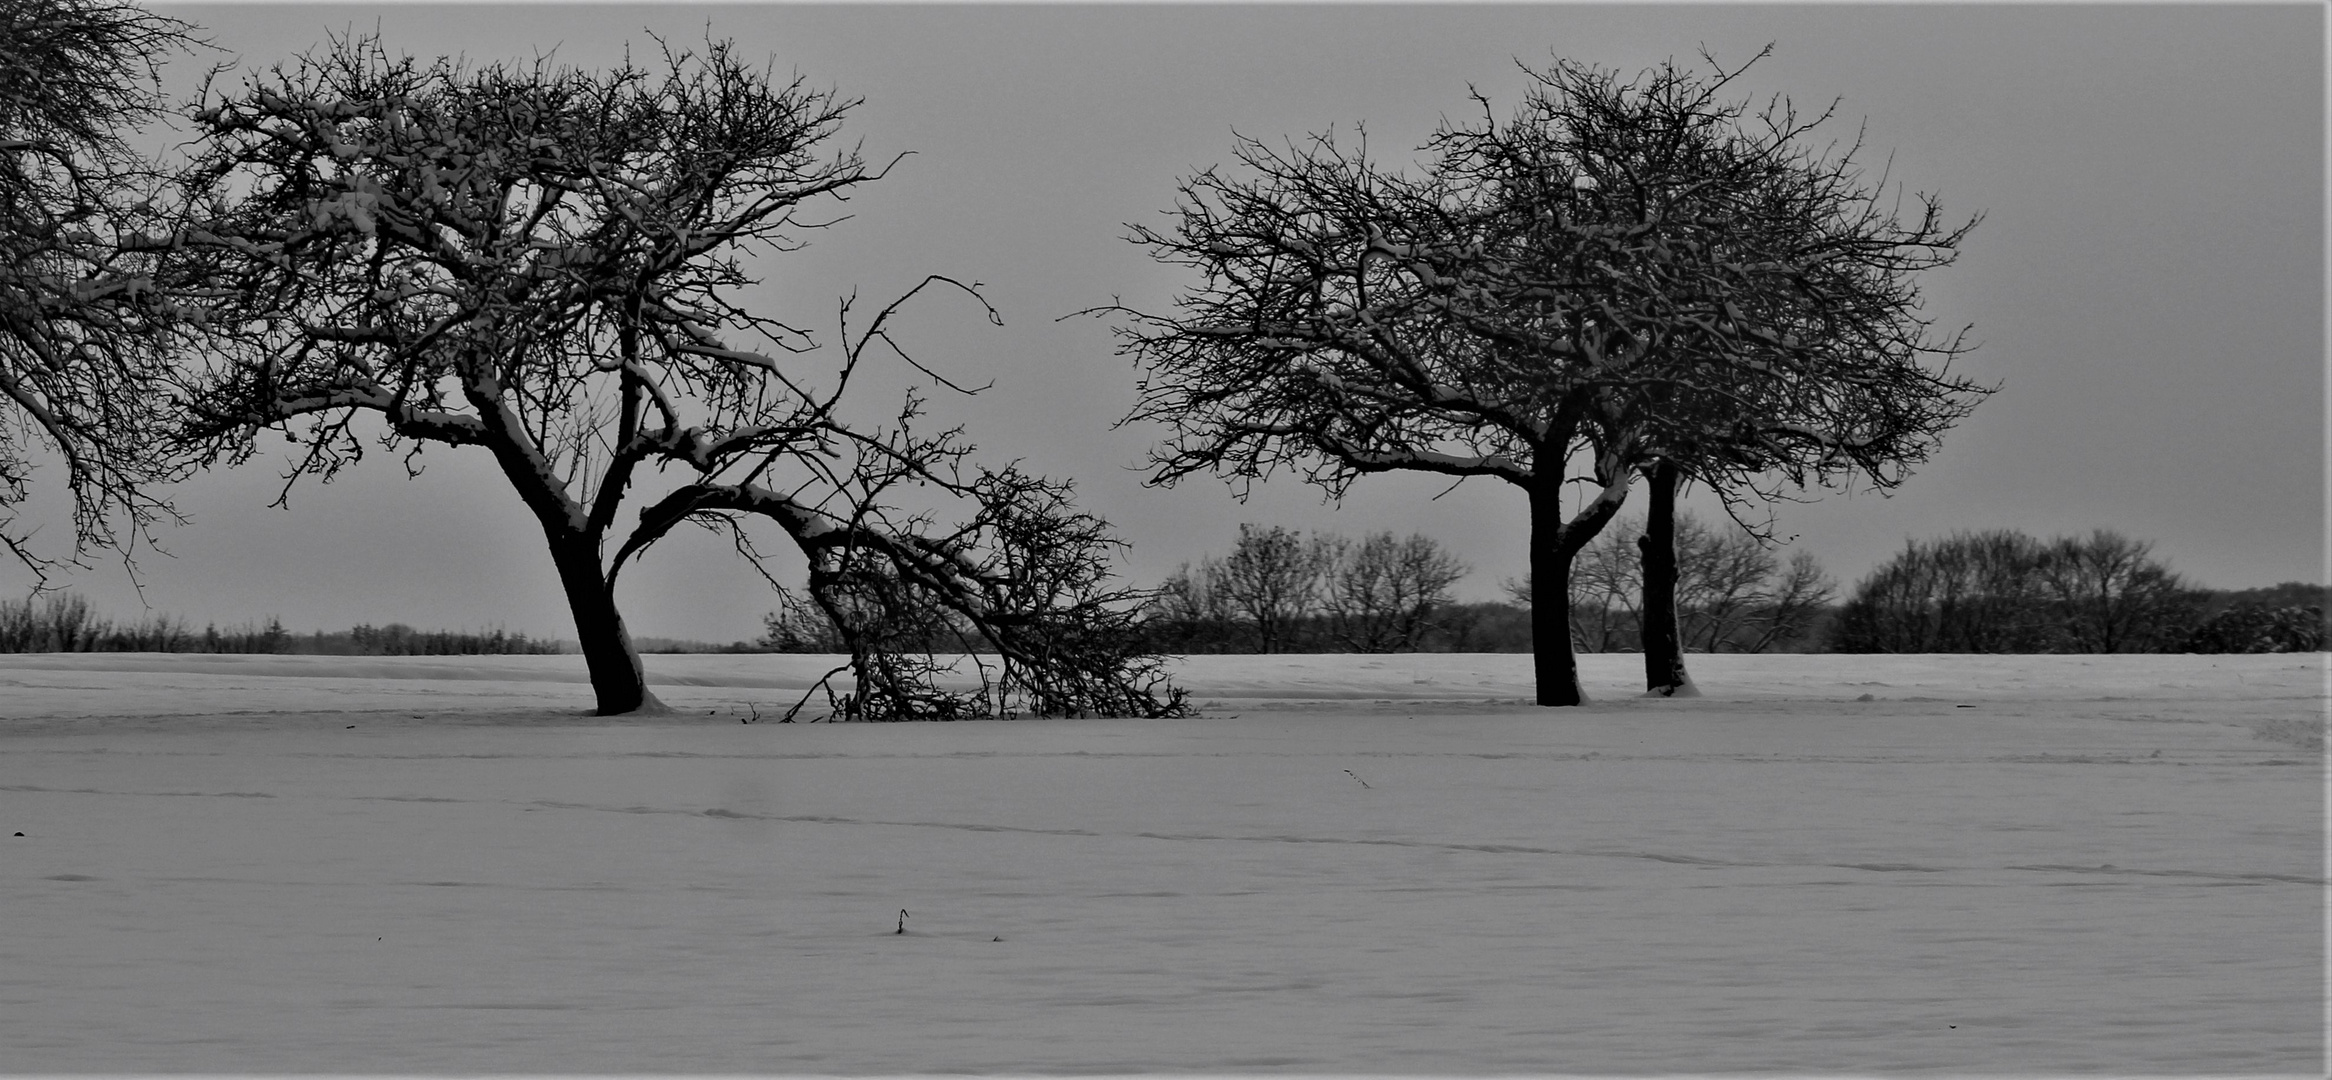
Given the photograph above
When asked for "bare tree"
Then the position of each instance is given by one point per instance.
(1185, 597)
(1721, 576)
(1790, 604)
(83, 345)
(800, 626)
(2112, 595)
(1064, 642)
(1605, 593)
(1797, 354)
(1271, 579)
(1328, 337)
(551, 264)
(1971, 592)
(1560, 299)
(1190, 614)
(1380, 594)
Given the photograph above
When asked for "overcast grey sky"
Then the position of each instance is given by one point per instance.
(2148, 283)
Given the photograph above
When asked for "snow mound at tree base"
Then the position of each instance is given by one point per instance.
(1685, 689)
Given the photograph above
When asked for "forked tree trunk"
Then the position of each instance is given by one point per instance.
(616, 678)
(1664, 672)
(1552, 662)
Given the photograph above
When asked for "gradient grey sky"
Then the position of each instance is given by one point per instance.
(2148, 284)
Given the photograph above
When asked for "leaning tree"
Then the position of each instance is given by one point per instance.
(554, 266)
(82, 347)
(1795, 354)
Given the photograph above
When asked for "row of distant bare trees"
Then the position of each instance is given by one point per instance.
(2003, 591)
(1999, 591)
(1733, 592)
(66, 622)
(1278, 590)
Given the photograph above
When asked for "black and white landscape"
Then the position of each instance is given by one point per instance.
(651, 389)
(1866, 865)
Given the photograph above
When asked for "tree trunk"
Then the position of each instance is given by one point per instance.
(1664, 672)
(616, 678)
(1557, 670)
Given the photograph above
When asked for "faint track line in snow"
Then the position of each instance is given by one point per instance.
(2293, 879)
(1435, 845)
(155, 794)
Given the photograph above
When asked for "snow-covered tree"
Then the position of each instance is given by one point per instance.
(1596, 286)
(1794, 352)
(1330, 334)
(554, 266)
(81, 344)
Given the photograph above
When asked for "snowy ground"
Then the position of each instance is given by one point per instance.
(1995, 864)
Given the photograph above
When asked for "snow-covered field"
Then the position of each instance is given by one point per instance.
(1348, 864)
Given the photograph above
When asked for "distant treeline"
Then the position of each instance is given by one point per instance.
(1278, 591)
(690, 646)
(1989, 592)
(2002, 591)
(65, 622)
(1489, 626)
